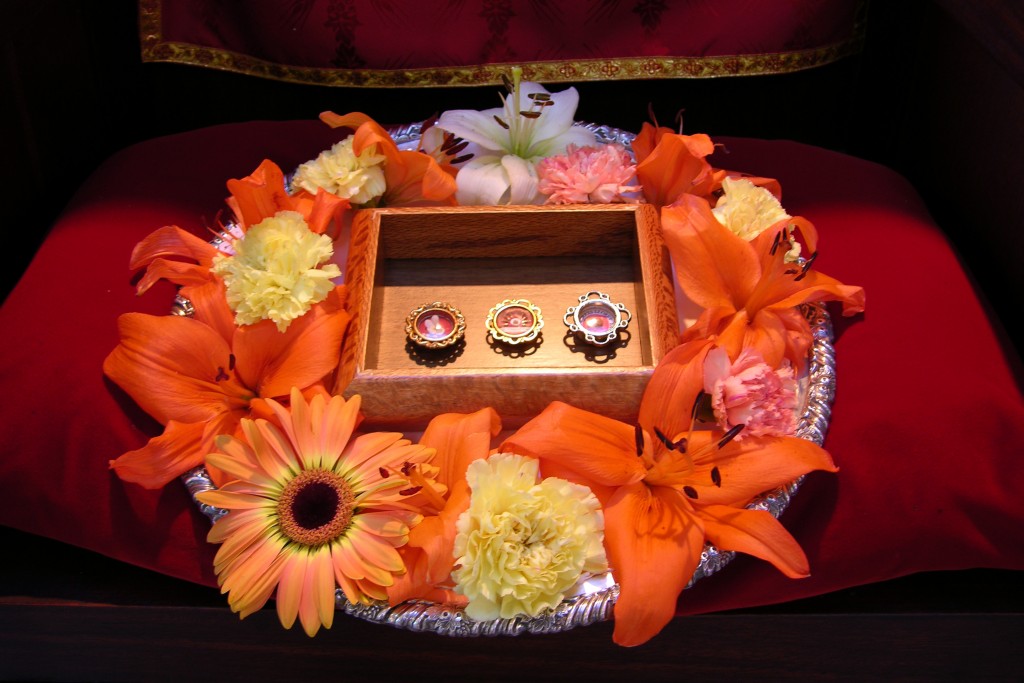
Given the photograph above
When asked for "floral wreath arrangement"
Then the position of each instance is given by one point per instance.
(313, 511)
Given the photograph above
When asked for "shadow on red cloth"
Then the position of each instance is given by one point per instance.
(927, 426)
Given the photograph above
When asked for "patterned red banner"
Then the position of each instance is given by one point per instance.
(377, 43)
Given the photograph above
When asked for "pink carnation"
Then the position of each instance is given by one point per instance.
(752, 393)
(589, 175)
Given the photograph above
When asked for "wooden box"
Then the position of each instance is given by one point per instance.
(475, 257)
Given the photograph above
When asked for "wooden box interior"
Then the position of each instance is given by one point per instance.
(475, 257)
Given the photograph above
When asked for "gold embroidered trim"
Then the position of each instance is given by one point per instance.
(155, 49)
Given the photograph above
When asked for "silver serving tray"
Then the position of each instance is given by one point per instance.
(596, 597)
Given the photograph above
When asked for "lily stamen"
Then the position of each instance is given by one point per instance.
(678, 445)
(730, 435)
(423, 484)
(664, 439)
(410, 472)
(223, 235)
(689, 458)
(449, 141)
(455, 149)
(806, 266)
(650, 114)
(716, 476)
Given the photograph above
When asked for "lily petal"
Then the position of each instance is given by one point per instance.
(599, 449)
(668, 399)
(522, 181)
(675, 168)
(171, 241)
(479, 127)
(482, 181)
(173, 367)
(459, 440)
(176, 272)
(164, 457)
(209, 301)
(756, 533)
(654, 544)
(259, 195)
(751, 466)
(304, 354)
(555, 120)
(714, 267)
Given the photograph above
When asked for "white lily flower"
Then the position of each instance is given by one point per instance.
(508, 142)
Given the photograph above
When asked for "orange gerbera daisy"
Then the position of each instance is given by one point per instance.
(311, 507)
(200, 379)
(666, 489)
(412, 178)
(748, 291)
(457, 440)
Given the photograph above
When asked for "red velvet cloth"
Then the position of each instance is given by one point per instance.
(927, 426)
(424, 44)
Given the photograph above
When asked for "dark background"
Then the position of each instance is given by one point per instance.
(936, 95)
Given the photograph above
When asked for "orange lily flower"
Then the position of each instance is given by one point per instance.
(199, 383)
(458, 440)
(666, 489)
(176, 255)
(256, 197)
(748, 291)
(263, 193)
(413, 178)
(671, 164)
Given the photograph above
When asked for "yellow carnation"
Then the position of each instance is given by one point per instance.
(275, 273)
(749, 210)
(522, 545)
(360, 179)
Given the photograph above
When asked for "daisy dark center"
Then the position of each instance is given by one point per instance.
(315, 507)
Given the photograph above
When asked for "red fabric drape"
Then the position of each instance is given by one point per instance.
(369, 43)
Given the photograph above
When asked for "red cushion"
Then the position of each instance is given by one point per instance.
(927, 428)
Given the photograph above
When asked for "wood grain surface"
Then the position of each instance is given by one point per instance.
(476, 257)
